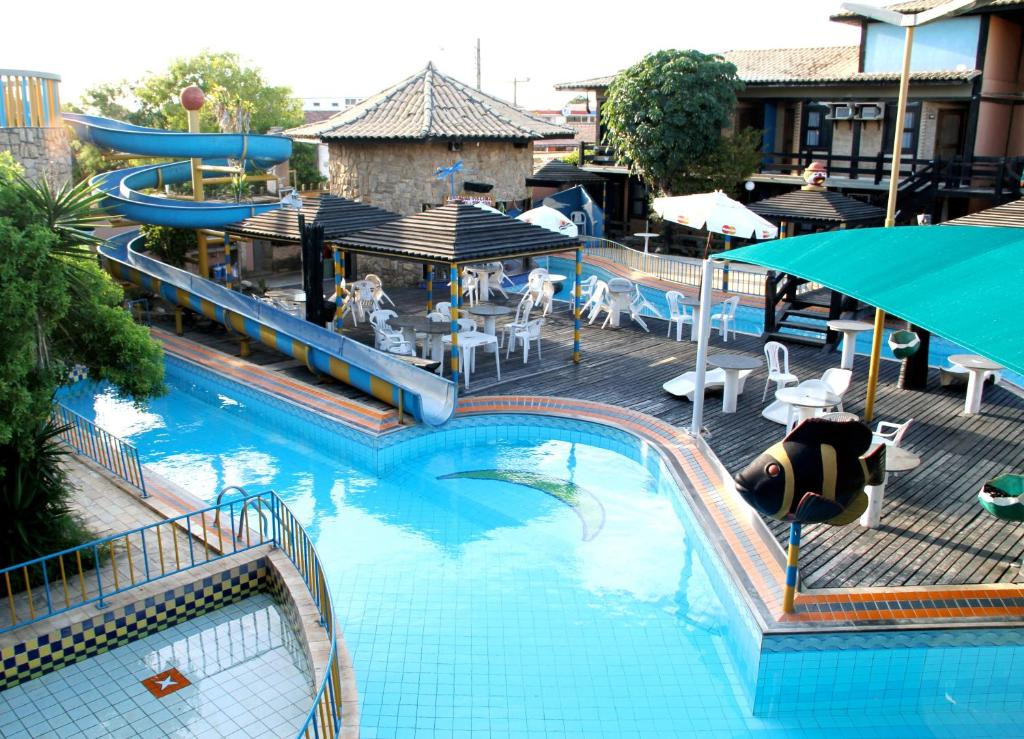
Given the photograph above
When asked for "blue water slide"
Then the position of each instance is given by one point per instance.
(423, 395)
(122, 188)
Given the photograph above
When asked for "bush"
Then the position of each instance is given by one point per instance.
(168, 244)
(35, 518)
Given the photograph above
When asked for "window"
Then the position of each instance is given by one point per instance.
(817, 127)
(909, 140)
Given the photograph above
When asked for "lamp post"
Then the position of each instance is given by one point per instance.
(907, 21)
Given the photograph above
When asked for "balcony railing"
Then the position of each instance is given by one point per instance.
(29, 99)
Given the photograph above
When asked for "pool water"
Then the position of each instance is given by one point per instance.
(524, 583)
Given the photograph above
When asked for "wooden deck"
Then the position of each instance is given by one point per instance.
(933, 531)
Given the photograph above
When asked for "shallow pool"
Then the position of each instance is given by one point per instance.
(513, 580)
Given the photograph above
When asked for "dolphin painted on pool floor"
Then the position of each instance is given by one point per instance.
(586, 506)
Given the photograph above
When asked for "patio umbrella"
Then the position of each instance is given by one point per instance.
(716, 212)
(551, 219)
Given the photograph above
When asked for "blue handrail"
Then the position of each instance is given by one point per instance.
(49, 581)
(85, 437)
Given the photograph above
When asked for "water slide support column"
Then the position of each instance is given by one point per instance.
(193, 105)
(456, 290)
(339, 278)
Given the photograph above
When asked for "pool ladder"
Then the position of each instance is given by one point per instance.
(244, 513)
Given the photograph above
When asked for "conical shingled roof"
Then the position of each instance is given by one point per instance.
(457, 232)
(339, 216)
(557, 172)
(812, 205)
(430, 105)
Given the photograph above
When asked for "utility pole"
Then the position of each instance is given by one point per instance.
(478, 64)
(515, 89)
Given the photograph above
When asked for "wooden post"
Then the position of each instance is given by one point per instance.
(179, 324)
(430, 287)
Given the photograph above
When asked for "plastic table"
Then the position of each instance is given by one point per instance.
(977, 365)
(731, 364)
(807, 402)
(849, 330)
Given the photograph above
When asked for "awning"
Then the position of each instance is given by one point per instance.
(963, 283)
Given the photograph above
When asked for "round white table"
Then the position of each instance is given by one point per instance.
(849, 330)
(807, 402)
(490, 315)
(620, 293)
(695, 325)
(731, 364)
(896, 460)
(977, 365)
(483, 273)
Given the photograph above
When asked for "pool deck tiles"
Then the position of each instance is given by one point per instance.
(915, 570)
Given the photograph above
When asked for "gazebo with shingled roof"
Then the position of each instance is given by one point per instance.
(454, 236)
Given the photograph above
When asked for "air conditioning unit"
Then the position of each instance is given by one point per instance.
(870, 111)
(839, 112)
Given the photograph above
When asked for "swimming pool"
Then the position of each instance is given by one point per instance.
(578, 599)
(750, 320)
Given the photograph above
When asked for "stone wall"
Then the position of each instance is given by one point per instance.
(43, 152)
(399, 175)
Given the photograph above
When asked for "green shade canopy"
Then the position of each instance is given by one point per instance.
(964, 283)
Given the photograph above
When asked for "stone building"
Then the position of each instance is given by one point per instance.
(385, 150)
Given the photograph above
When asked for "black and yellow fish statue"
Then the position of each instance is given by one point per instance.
(815, 475)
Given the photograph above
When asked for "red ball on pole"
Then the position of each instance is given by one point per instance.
(192, 98)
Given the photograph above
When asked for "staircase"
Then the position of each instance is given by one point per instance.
(801, 317)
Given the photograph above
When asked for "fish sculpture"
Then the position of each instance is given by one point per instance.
(814, 475)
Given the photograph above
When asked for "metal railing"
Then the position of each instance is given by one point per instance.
(98, 570)
(675, 269)
(85, 437)
(29, 99)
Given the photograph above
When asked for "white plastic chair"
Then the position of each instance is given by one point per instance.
(890, 434)
(726, 317)
(445, 309)
(777, 356)
(600, 301)
(596, 296)
(470, 288)
(425, 339)
(642, 302)
(839, 381)
(685, 385)
(677, 314)
(586, 290)
(497, 278)
(522, 316)
(364, 302)
(527, 333)
(378, 290)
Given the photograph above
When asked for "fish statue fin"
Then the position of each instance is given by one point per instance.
(847, 437)
(854, 510)
(815, 508)
(874, 466)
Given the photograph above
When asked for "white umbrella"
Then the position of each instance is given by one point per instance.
(486, 208)
(551, 219)
(716, 212)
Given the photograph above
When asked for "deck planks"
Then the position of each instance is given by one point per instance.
(933, 531)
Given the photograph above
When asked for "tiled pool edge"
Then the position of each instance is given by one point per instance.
(862, 626)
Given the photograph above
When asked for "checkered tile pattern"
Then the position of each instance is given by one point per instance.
(49, 652)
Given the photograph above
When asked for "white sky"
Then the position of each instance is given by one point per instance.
(355, 48)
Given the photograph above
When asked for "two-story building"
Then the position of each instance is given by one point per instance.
(963, 137)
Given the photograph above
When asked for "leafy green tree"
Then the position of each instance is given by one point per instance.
(57, 309)
(238, 99)
(665, 116)
(304, 164)
(230, 86)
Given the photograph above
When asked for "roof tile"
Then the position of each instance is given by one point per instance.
(431, 105)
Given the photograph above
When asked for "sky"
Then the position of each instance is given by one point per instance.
(337, 49)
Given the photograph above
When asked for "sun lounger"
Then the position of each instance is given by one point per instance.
(684, 385)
